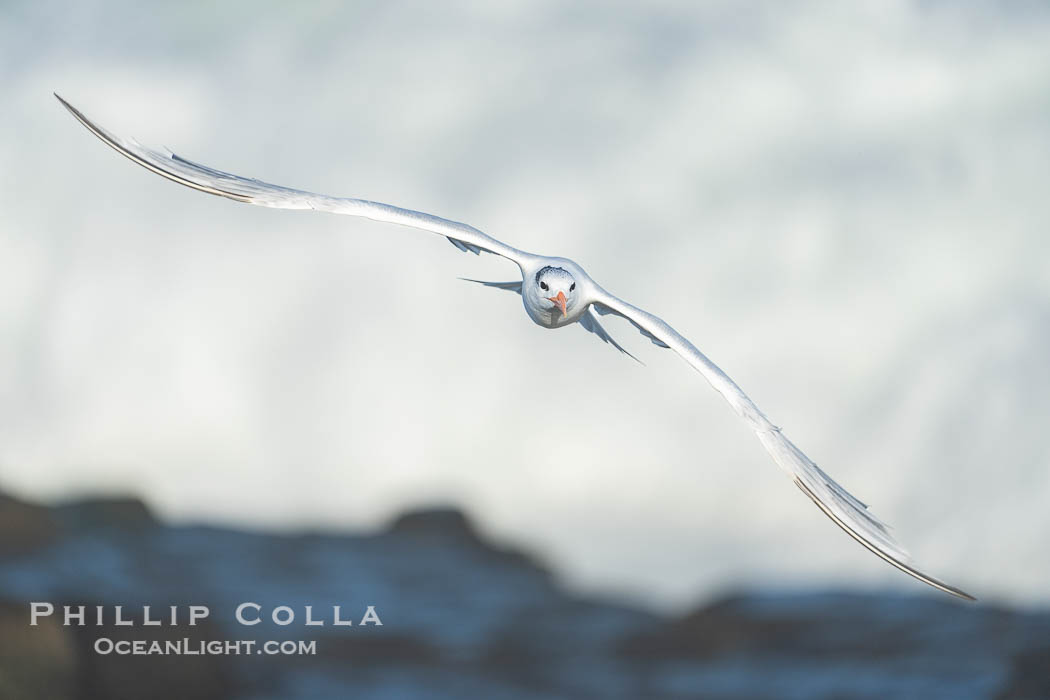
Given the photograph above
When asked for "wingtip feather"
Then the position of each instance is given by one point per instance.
(888, 558)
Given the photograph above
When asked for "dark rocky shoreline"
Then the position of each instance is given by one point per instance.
(462, 618)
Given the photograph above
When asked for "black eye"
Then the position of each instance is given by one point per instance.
(572, 286)
(543, 286)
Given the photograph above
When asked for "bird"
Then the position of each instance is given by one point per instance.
(556, 293)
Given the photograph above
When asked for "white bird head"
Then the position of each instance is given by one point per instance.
(555, 286)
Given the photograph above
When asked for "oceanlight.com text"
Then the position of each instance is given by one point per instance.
(197, 647)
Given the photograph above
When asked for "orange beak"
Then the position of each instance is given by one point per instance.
(560, 300)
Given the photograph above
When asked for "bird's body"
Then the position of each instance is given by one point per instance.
(556, 293)
(543, 280)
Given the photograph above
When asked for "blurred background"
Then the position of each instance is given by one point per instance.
(843, 206)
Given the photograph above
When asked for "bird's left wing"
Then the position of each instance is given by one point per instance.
(845, 510)
(243, 189)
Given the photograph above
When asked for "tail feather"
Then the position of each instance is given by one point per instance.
(509, 286)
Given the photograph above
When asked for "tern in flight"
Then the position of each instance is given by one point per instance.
(556, 293)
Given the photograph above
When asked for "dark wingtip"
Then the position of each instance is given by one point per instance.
(911, 571)
(73, 110)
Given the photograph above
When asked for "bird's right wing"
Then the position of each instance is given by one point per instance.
(845, 510)
(250, 191)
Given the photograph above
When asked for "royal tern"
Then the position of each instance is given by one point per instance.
(556, 293)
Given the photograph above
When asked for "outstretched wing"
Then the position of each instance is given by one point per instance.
(243, 189)
(846, 511)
